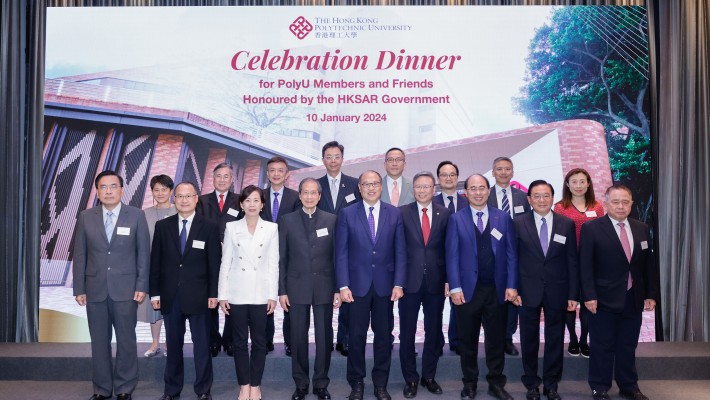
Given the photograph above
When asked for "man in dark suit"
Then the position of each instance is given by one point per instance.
(619, 281)
(514, 202)
(425, 236)
(307, 281)
(280, 200)
(549, 282)
(448, 174)
(220, 206)
(482, 268)
(339, 191)
(396, 189)
(370, 265)
(184, 271)
(110, 270)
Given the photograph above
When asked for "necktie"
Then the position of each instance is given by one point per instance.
(451, 204)
(109, 225)
(624, 237)
(371, 222)
(183, 236)
(334, 191)
(395, 194)
(221, 202)
(544, 237)
(479, 223)
(426, 229)
(504, 203)
(275, 208)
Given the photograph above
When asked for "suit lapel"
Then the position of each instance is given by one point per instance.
(195, 228)
(362, 217)
(638, 234)
(470, 226)
(532, 231)
(120, 220)
(414, 218)
(98, 217)
(385, 190)
(493, 221)
(610, 230)
(174, 232)
(382, 221)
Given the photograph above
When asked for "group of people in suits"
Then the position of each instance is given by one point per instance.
(360, 245)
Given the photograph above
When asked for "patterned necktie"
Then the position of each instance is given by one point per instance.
(395, 194)
(371, 222)
(624, 237)
(505, 203)
(479, 223)
(426, 229)
(108, 226)
(451, 204)
(334, 191)
(544, 237)
(183, 236)
(221, 202)
(275, 208)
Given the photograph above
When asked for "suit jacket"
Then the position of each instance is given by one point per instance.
(406, 192)
(462, 250)
(461, 201)
(193, 276)
(431, 256)
(359, 263)
(553, 277)
(117, 269)
(605, 270)
(348, 186)
(288, 202)
(520, 198)
(208, 207)
(306, 261)
(249, 273)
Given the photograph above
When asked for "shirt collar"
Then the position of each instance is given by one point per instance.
(376, 205)
(615, 222)
(217, 193)
(339, 177)
(539, 217)
(427, 206)
(484, 210)
(189, 219)
(116, 210)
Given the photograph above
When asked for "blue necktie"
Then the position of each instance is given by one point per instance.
(108, 226)
(479, 223)
(371, 222)
(543, 237)
(275, 208)
(183, 236)
(505, 204)
(451, 204)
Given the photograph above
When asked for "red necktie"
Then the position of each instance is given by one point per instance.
(221, 202)
(426, 229)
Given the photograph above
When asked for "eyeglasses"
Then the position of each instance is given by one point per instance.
(309, 193)
(104, 188)
(394, 160)
(538, 197)
(333, 158)
(451, 175)
(423, 187)
(184, 196)
(477, 189)
(371, 185)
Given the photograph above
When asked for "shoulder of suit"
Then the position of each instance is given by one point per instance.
(348, 178)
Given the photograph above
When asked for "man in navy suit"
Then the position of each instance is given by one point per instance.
(514, 202)
(339, 191)
(425, 236)
(482, 268)
(184, 271)
(619, 280)
(448, 174)
(280, 200)
(549, 282)
(370, 267)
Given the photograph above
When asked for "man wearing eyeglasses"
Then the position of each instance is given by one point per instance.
(370, 270)
(549, 283)
(396, 189)
(110, 269)
(185, 260)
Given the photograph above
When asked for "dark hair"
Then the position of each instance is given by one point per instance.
(441, 164)
(499, 159)
(394, 149)
(188, 183)
(424, 174)
(306, 180)
(163, 180)
(332, 144)
(359, 179)
(618, 186)
(539, 182)
(247, 191)
(488, 184)
(108, 172)
(222, 165)
(277, 159)
(589, 198)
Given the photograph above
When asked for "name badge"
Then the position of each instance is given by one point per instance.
(198, 244)
(519, 209)
(233, 212)
(644, 245)
(560, 239)
(591, 214)
(123, 231)
(496, 234)
(322, 232)
(350, 198)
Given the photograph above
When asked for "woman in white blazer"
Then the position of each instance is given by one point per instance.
(248, 287)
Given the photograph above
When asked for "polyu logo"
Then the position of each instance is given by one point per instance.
(300, 27)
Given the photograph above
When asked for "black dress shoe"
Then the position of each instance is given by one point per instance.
(287, 349)
(410, 390)
(381, 394)
(229, 349)
(600, 395)
(533, 394)
(499, 393)
(573, 349)
(166, 397)
(634, 395)
(269, 347)
(510, 348)
(124, 396)
(214, 350)
(468, 392)
(584, 349)
(99, 397)
(357, 392)
(342, 348)
(321, 393)
(299, 394)
(551, 394)
(205, 396)
(431, 385)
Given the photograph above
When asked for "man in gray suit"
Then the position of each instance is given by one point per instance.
(396, 189)
(111, 268)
